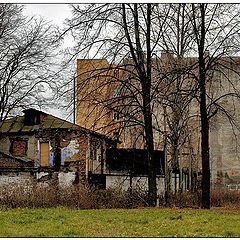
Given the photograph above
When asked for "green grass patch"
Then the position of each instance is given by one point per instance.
(145, 222)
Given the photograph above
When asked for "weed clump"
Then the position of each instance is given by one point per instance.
(76, 196)
(84, 196)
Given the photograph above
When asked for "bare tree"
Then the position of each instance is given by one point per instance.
(206, 31)
(174, 88)
(137, 32)
(26, 60)
(216, 27)
(117, 32)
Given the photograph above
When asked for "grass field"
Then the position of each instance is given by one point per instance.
(146, 222)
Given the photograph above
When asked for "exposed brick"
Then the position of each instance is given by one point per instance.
(11, 162)
(18, 147)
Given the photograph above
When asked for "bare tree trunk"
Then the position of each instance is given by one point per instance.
(204, 142)
(204, 116)
(152, 189)
(152, 186)
(145, 80)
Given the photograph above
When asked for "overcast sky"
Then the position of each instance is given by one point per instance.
(51, 12)
(56, 14)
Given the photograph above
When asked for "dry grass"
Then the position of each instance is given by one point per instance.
(78, 196)
(85, 197)
(225, 198)
(219, 198)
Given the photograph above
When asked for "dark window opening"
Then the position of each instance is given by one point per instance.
(32, 119)
(133, 161)
(116, 116)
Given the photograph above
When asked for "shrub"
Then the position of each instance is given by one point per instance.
(77, 196)
(225, 198)
(184, 199)
(85, 197)
(219, 198)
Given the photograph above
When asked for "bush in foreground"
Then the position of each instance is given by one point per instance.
(77, 196)
(86, 197)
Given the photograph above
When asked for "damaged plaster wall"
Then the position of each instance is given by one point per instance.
(65, 179)
(6, 142)
(138, 183)
(18, 179)
(70, 152)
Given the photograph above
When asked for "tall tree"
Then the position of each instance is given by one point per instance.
(174, 88)
(26, 60)
(145, 78)
(135, 33)
(201, 34)
(117, 32)
(215, 26)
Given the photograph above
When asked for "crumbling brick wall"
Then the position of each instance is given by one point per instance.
(19, 147)
(83, 148)
(11, 162)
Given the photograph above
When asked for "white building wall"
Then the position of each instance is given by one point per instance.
(138, 183)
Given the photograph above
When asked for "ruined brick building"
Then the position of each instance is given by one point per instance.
(42, 145)
(41, 141)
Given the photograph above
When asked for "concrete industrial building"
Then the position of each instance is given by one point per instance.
(224, 107)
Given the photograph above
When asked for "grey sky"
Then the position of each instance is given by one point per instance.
(56, 14)
(51, 12)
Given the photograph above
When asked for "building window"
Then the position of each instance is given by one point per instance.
(32, 119)
(116, 116)
(18, 147)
